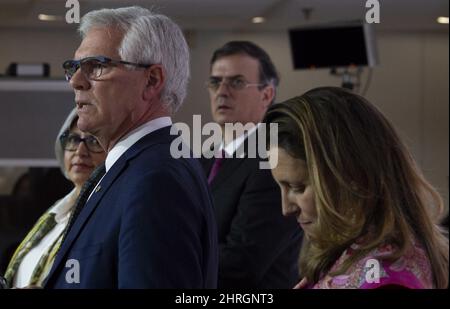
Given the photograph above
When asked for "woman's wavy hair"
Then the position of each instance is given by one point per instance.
(366, 182)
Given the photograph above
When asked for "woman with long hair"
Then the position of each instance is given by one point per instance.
(370, 218)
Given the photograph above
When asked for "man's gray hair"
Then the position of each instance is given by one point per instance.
(149, 38)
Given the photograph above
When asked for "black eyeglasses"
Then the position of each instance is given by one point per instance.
(93, 67)
(71, 141)
(234, 83)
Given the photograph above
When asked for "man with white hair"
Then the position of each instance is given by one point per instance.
(148, 223)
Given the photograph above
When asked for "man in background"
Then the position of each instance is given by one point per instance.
(258, 247)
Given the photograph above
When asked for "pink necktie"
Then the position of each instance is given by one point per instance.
(215, 168)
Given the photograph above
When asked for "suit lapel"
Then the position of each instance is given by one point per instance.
(228, 167)
(207, 165)
(86, 212)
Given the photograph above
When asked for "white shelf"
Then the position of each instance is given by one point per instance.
(29, 162)
(34, 85)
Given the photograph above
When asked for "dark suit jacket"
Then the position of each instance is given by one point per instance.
(258, 247)
(151, 225)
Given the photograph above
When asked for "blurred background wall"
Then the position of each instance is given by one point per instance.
(410, 84)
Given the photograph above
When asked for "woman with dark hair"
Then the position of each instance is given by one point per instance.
(78, 154)
(369, 216)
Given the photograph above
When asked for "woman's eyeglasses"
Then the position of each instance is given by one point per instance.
(93, 67)
(71, 141)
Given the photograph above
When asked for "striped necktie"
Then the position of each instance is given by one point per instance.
(85, 192)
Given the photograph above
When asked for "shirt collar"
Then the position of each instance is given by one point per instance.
(232, 146)
(63, 207)
(132, 137)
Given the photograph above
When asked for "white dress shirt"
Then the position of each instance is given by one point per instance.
(132, 137)
(232, 146)
(62, 213)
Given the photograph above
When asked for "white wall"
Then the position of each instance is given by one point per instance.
(410, 85)
(37, 46)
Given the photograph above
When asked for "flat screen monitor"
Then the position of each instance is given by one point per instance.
(333, 46)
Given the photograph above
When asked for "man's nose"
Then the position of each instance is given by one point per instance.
(78, 81)
(223, 87)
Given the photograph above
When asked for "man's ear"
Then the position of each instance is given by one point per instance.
(155, 81)
(268, 94)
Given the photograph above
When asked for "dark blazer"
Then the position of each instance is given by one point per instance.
(258, 247)
(151, 225)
